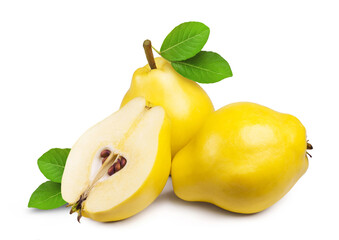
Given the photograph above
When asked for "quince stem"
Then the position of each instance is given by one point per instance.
(149, 54)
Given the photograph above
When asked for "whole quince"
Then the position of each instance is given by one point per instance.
(185, 102)
(244, 159)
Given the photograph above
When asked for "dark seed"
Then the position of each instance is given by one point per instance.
(123, 162)
(111, 170)
(117, 166)
(103, 160)
(105, 153)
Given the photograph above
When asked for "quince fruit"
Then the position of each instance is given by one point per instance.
(119, 166)
(185, 102)
(244, 159)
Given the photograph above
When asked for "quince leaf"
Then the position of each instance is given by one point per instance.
(184, 41)
(205, 67)
(47, 196)
(52, 163)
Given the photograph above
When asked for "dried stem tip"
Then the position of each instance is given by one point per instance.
(149, 54)
(309, 146)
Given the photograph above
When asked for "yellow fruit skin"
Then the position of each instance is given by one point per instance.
(151, 188)
(244, 159)
(184, 101)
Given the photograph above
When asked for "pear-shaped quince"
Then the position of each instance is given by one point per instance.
(119, 166)
(244, 159)
(184, 101)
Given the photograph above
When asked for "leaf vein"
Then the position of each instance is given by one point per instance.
(200, 68)
(175, 45)
(37, 203)
(57, 165)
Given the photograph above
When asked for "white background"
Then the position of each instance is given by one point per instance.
(65, 65)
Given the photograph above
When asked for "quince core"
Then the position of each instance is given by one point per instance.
(119, 166)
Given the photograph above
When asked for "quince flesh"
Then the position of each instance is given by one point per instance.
(137, 135)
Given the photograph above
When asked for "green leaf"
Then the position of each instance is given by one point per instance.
(205, 67)
(184, 41)
(47, 196)
(52, 163)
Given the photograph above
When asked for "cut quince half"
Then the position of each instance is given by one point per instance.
(120, 165)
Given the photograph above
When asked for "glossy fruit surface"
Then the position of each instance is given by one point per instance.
(184, 101)
(244, 159)
(119, 166)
